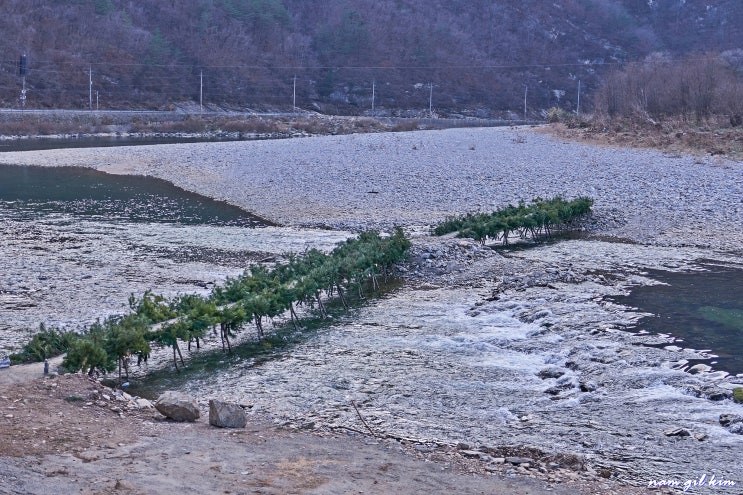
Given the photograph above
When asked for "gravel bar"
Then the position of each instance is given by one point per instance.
(418, 178)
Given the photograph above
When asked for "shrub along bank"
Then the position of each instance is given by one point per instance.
(539, 219)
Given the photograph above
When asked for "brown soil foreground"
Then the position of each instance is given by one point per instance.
(68, 434)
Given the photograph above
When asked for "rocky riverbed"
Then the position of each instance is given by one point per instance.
(415, 178)
(480, 348)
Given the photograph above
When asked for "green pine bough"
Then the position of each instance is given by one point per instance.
(538, 219)
(44, 344)
(259, 293)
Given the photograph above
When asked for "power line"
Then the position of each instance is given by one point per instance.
(334, 67)
(529, 65)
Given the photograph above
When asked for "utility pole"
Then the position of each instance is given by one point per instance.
(577, 110)
(294, 94)
(90, 88)
(526, 90)
(96, 100)
(430, 99)
(374, 84)
(201, 92)
(22, 69)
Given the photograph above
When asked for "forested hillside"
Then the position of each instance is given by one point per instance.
(473, 57)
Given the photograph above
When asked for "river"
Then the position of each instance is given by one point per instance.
(551, 347)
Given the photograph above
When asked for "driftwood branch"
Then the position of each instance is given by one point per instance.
(353, 403)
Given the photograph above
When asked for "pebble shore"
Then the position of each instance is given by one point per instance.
(418, 178)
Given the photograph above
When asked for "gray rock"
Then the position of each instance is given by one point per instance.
(519, 460)
(552, 372)
(677, 432)
(712, 392)
(143, 403)
(588, 386)
(729, 419)
(177, 406)
(425, 449)
(472, 454)
(122, 396)
(226, 415)
(553, 391)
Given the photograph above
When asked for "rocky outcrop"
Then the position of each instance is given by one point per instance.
(177, 406)
(732, 422)
(226, 415)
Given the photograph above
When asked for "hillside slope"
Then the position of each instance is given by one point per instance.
(473, 56)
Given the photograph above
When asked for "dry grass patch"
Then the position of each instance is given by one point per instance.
(715, 137)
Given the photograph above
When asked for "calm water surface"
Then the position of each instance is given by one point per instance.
(51, 143)
(30, 191)
(704, 309)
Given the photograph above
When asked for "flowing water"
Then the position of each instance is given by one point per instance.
(50, 143)
(548, 367)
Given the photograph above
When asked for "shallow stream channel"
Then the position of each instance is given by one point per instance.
(621, 354)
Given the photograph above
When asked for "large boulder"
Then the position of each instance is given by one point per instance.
(177, 406)
(226, 415)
